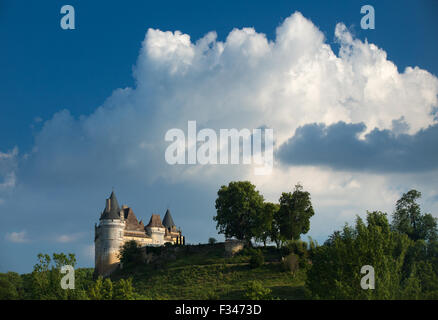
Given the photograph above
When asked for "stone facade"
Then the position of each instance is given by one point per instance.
(119, 225)
(232, 246)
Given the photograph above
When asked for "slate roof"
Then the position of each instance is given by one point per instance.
(168, 221)
(155, 221)
(113, 211)
(132, 223)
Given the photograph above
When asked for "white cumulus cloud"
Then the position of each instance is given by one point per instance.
(17, 237)
(245, 81)
(8, 167)
(66, 238)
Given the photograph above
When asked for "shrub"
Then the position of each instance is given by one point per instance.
(10, 286)
(211, 295)
(257, 259)
(131, 255)
(123, 290)
(254, 290)
(95, 292)
(291, 263)
(336, 266)
(298, 247)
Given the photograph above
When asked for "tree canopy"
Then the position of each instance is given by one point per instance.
(239, 206)
(294, 213)
(243, 213)
(408, 218)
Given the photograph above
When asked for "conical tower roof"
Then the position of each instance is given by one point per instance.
(131, 221)
(155, 222)
(168, 221)
(112, 208)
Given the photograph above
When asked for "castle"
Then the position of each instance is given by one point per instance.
(119, 225)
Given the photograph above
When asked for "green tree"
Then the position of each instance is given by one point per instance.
(123, 290)
(294, 213)
(408, 219)
(212, 240)
(107, 289)
(40, 281)
(299, 248)
(95, 292)
(427, 277)
(264, 223)
(432, 254)
(11, 286)
(291, 263)
(45, 280)
(336, 266)
(131, 255)
(238, 207)
(274, 232)
(254, 290)
(256, 258)
(101, 289)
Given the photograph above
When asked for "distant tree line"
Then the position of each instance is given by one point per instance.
(403, 253)
(44, 283)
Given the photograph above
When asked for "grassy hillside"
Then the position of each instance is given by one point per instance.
(204, 272)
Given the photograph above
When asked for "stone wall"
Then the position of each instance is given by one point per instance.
(109, 239)
(233, 246)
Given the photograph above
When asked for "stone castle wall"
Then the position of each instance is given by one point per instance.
(107, 246)
(110, 237)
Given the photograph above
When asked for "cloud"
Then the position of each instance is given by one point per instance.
(17, 237)
(339, 146)
(245, 81)
(8, 167)
(337, 196)
(66, 238)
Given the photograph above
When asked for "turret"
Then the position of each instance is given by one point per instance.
(108, 237)
(168, 221)
(156, 230)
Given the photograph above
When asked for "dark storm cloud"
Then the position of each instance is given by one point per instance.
(338, 146)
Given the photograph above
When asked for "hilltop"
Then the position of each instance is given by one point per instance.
(205, 271)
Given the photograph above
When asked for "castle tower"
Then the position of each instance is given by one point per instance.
(171, 230)
(168, 221)
(156, 230)
(109, 237)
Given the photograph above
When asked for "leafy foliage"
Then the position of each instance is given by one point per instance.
(242, 213)
(335, 273)
(291, 263)
(238, 206)
(123, 290)
(11, 286)
(257, 259)
(256, 291)
(131, 255)
(404, 256)
(294, 213)
(106, 290)
(409, 220)
(265, 227)
(45, 280)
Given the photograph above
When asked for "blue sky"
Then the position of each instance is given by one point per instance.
(59, 183)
